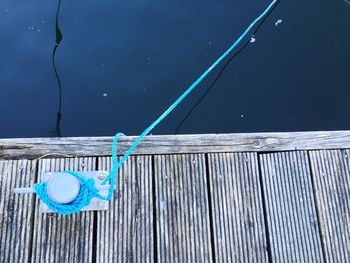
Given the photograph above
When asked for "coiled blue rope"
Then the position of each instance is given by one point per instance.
(87, 189)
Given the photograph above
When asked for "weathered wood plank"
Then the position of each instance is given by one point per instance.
(125, 232)
(171, 144)
(291, 210)
(63, 238)
(16, 212)
(182, 210)
(237, 209)
(331, 171)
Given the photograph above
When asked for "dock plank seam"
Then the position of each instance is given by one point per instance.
(317, 207)
(264, 210)
(30, 247)
(94, 227)
(154, 210)
(210, 209)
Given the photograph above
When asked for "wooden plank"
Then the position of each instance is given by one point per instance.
(331, 171)
(182, 210)
(63, 238)
(16, 212)
(291, 210)
(171, 144)
(125, 232)
(238, 223)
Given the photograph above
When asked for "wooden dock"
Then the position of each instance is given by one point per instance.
(265, 197)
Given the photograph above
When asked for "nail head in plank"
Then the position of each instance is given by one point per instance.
(291, 211)
(332, 185)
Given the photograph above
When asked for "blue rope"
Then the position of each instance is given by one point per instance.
(86, 193)
(87, 189)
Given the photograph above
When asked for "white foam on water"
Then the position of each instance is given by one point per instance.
(279, 21)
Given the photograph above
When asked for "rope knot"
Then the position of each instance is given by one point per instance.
(86, 193)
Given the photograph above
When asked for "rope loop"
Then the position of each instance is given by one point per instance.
(86, 193)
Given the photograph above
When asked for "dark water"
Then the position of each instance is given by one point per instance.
(121, 63)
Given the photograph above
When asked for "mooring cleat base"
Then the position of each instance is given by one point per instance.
(58, 191)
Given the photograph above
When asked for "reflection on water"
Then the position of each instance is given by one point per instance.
(235, 54)
(59, 38)
(211, 86)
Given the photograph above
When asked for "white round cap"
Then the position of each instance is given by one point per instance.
(63, 188)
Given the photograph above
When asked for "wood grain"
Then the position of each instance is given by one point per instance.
(125, 232)
(331, 170)
(171, 144)
(182, 210)
(291, 210)
(16, 212)
(237, 209)
(63, 238)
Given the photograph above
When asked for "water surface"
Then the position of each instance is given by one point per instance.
(120, 64)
